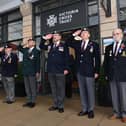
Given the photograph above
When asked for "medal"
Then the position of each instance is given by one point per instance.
(120, 50)
(110, 53)
(124, 54)
(31, 57)
(49, 47)
(9, 61)
(91, 49)
(61, 49)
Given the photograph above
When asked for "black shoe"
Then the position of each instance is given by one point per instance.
(81, 113)
(52, 108)
(10, 102)
(32, 105)
(91, 115)
(26, 104)
(61, 110)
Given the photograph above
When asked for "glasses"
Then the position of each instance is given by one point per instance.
(116, 34)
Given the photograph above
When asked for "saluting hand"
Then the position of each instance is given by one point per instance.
(96, 75)
(37, 75)
(47, 37)
(66, 72)
(77, 33)
(1, 49)
(106, 77)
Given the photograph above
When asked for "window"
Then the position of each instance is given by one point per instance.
(15, 30)
(0, 33)
(37, 8)
(93, 12)
(14, 16)
(94, 31)
(11, 26)
(38, 40)
(50, 4)
(14, 25)
(37, 25)
(0, 29)
(122, 15)
(0, 20)
(66, 2)
(122, 11)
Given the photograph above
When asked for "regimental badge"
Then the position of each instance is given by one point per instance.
(120, 50)
(47, 42)
(49, 47)
(4, 59)
(110, 53)
(31, 57)
(124, 54)
(61, 49)
(91, 49)
(9, 61)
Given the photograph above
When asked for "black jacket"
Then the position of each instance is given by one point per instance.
(88, 61)
(115, 66)
(9, 64)
(58, 58)
(31, 61)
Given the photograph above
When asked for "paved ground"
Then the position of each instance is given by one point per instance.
(16, 115)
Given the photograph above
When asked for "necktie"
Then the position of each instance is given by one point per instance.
(30, 50)
(54, 46)
(82, 46)
(6, 56)
(116, 47)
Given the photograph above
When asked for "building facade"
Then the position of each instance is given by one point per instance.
(23, 19)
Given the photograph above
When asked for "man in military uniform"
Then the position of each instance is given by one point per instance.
(9, 63)
(31, 70)
(115, 71)
(88, 64)
(57, 67)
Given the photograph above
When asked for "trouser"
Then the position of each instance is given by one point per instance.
(118, 92)
(57, 83)
(68, 86)
(30, 88)
(86, 86)
(9, 86)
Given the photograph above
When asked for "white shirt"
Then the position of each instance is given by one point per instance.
(56, 43)
(119, 43)
(86, 43)
(30, 49)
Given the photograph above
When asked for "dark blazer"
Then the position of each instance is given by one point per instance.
(9, 65)
(31, 61)
(58, 57)
(115, 66)
(87, 61)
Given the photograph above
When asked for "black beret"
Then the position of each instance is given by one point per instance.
(85, 29)
(57, 32)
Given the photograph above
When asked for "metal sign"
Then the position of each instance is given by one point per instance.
(63, 18)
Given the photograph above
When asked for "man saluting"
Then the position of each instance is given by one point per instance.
(57, 67)
(9, 62)
(31, 70)
(88, 64)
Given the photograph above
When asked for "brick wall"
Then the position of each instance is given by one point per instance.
(107, 24)
(26, 11)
